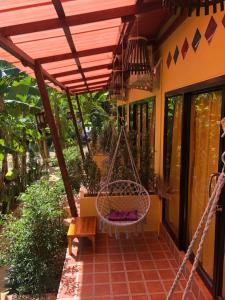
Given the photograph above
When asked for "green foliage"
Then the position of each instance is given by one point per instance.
(74, 167)
(33, 246)
(146, 172)
(108, 137)
(92, 177)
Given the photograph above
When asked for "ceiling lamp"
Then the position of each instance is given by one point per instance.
(137, 63)
(189, 6)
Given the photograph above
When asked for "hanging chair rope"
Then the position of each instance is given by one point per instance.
(134, 169)
(125, 198)
(206, 218)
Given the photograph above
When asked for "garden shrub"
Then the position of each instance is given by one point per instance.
(33, 246)
(86, 173)
(74, 167)
(91, 177)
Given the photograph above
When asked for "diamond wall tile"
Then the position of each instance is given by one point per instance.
(169, 59)
(176, 55)
(196, 40)
(211, 29)
(185, 48)
(223, 21)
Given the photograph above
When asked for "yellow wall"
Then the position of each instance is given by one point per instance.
(100, 162)
(206, 63)
(154, 216)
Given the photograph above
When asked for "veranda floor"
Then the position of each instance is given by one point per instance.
(140, 268)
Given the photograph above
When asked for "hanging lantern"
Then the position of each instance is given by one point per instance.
(117, 86)
(41, 120)
(69, 115)
(138, 63)
(195, 5)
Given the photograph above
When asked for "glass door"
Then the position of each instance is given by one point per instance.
(203, 161)
(172, 161)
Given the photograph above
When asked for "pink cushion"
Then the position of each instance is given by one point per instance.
(116, 215)
(132, 215)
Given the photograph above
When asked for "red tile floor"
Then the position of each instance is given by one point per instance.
(139, 268)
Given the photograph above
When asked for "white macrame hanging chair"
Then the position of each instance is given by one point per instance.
(122, 195)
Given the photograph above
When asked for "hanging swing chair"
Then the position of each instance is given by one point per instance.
(122, 203)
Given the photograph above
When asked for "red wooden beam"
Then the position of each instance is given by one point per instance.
(90, 91)
(75, 124)
(55, 137)
(117, 12)
(94, 68)
(26, 60)
(87, 78)
(91, 84)
(139, 3)
(88, 52)
(61, 14)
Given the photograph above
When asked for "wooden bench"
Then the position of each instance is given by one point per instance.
(82, 227)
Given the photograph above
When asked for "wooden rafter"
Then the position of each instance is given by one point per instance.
(8, 45)
(87, 78)
(90, 85)
(61, 14)
(94, 68)
(85, 18)
(89, 52)
(79, 92)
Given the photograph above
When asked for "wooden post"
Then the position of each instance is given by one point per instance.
(82, 121)
(75, 124)
(55, 138)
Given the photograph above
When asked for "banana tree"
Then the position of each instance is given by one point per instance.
(18, 132)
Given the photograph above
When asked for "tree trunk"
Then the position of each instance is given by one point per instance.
(43, 149)
(4, 170)
(58, 123)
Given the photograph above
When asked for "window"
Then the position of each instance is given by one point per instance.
(142, 139)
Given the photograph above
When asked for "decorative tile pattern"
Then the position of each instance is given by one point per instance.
(196, 40)
(185, 48)
(169, 59)
(211, 29)
(176, 55)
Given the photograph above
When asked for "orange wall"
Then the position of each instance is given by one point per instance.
(207, 62)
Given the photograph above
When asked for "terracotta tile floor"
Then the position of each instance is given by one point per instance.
(138, 268)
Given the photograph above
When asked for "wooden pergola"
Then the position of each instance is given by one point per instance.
(70, 45)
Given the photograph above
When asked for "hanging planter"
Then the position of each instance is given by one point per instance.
(195, 5)
(137, 63)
